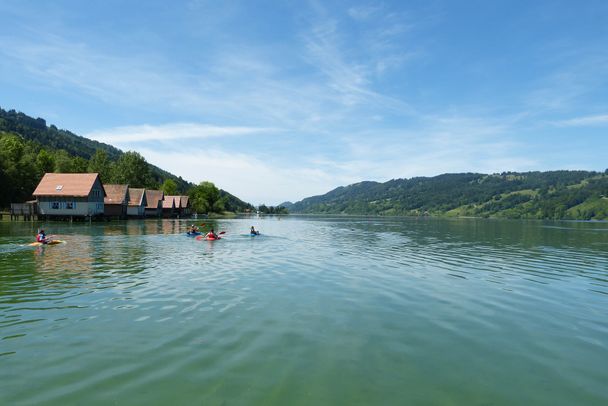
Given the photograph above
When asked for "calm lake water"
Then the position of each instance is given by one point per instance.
(316, 311)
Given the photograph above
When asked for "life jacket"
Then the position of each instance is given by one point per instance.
(40, 237)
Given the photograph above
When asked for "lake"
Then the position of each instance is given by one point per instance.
(315, 311)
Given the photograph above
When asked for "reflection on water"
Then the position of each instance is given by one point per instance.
(313, 311)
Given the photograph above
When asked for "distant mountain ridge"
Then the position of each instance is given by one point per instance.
(536, 195)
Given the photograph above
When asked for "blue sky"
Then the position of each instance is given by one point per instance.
(280, 100)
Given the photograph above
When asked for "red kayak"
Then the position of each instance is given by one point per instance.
(202, 237)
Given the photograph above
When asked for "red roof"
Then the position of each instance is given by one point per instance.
(177, 200)
(184, 201)
(66, 184)
(153, 197)
(116, 194)
(169, 202)
(136, 196)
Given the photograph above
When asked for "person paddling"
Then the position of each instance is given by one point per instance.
(42, 238)
(254, 232)
(211, 235)
(193, 229)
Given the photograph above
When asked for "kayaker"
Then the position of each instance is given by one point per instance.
(193, 229)
(41, 237)
(254, 232)
(211, 235)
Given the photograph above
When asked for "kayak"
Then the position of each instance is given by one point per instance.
(254, 234)
(192, 234)
(201, 238)
(52, 242)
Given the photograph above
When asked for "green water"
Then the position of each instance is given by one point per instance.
(316, 311)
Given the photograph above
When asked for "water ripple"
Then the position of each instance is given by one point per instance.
(314, 311)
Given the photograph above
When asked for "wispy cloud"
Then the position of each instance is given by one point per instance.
(573, 76)
(252, 179)
(350, 73)
(585, 121)
(449, 145)
(59, 63)
(173, 131)
(362, 12)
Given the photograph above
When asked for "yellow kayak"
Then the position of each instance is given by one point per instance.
(52, 242)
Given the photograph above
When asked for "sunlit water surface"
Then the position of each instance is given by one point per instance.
(315, 311)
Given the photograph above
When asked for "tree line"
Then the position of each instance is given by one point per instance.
(272, 209)
(535, 195)
(24, 162)
(29, 148)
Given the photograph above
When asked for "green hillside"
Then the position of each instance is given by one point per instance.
(579, 195)
(29, 148)
(52, 138)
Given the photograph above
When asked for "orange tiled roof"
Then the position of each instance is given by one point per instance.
(153, 197)
(115, 194)
(184, 201)
(176, 200)
(168, 202)
(66, 184)
(136, 196)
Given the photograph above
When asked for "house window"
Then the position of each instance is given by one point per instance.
(69, 205)
(55, 205)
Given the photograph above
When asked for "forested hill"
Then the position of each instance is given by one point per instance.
(536, 195)
(29, 148)
(35, 129)
(50, 137)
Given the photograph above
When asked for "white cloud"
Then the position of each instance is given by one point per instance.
(65, 64)
(249, 178)
(578, 73)
(597, 120)
(172, 131)
(349, 80)
(445, 145)
(362, 12)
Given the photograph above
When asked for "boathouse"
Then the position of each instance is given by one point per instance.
(70, 195)
(137, 203)
(154, 199)
(169, 206)
(185, 206)
(116, 200)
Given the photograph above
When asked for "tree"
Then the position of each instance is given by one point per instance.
(18, 170)
(169, 187)
(133, 170)
(206, 198)
(45, 162)
(100, 163)
(63, 162)
(79, 165)
(11, 148)
(272, 210)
